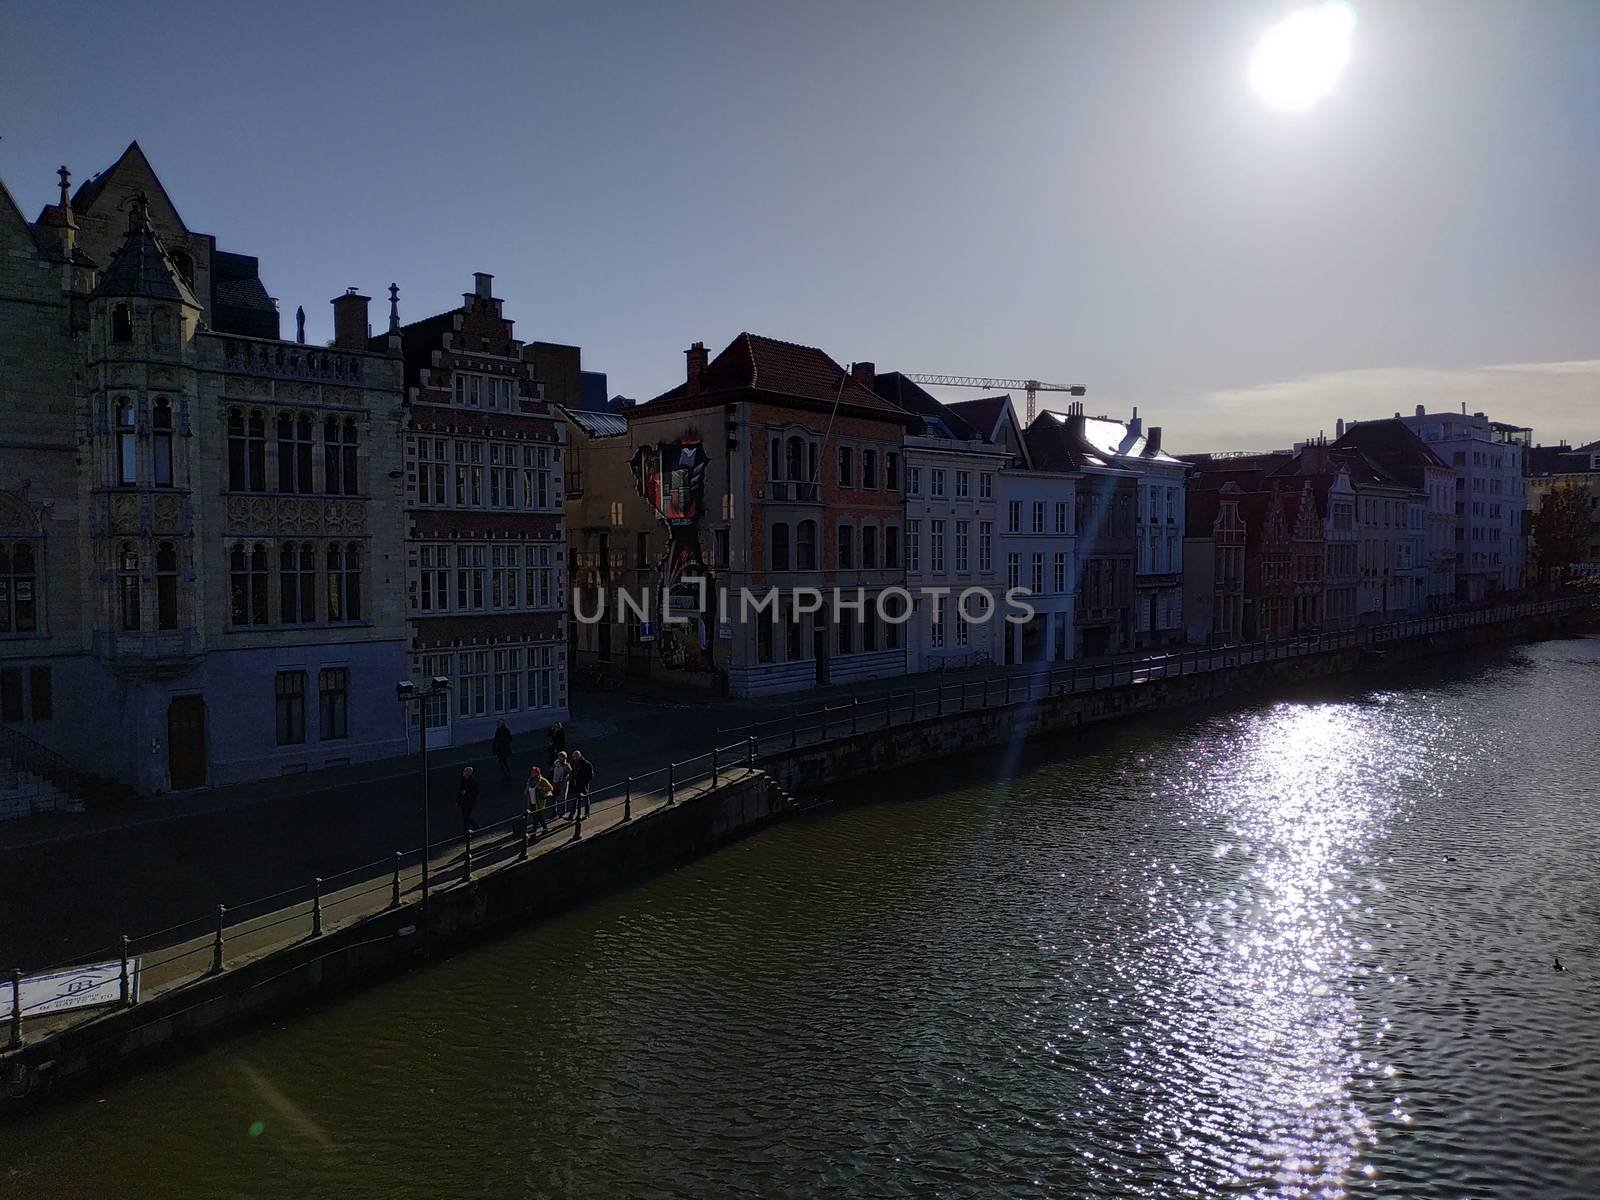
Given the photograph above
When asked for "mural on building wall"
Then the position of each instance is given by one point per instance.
(671, 478)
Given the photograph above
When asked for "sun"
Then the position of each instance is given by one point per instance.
(1299, 59)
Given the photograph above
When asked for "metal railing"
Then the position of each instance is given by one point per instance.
(903, 707)
(185, 953)
(195, 949)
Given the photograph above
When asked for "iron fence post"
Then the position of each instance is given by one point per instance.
(855, 706)
(216, 945)
(824, 722)
(750, 758)
(715, 766)
(672, 771)
(466, 870)
(394, 899)
(939, 691)
(316, 906)
(522, 835)
(127, 990)
(627, 800)
(577, 823)
(16, 1009)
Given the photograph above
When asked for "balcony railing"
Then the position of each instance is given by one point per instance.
(290, 360)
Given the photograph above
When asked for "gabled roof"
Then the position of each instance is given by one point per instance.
(782, 370)
(131, 160)
(937, 419)
(10, 214)
(1391, 443)
(141, 267)
(983, 415)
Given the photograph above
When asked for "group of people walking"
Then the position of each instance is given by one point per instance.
(561, 790)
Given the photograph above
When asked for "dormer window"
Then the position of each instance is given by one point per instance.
(185, 265)
(121, 323)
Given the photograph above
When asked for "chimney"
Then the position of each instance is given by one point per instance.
(1338, 428)
(350, 320)
(696, 356)
(1421, 412)
(864, 373)
(1134, 424)
(1152, 441)
(482, 285)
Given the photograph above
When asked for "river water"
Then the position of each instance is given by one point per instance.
(1303, 949)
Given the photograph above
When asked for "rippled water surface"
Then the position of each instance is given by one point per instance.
(1301, 950)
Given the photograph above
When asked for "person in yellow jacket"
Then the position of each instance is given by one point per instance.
(540, 797)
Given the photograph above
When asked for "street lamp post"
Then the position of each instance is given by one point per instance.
(408, 693)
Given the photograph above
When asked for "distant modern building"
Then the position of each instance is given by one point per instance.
(1488, 462)
(200, 579)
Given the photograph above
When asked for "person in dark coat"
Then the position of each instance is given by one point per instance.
(467, 800)
(582, 777)
(558, 741)
(502, 749)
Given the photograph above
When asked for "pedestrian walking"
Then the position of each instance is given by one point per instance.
(558, 741)
(502, 749)
(467, 800)
(560, 777)
(582, 777)
(539, 792)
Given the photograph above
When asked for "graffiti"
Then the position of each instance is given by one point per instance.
(671, 477)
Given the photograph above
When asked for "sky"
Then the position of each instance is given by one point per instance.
(1084, 193)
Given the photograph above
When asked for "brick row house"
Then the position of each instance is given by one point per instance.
(202, 519)
(771, 468)
(484, 516)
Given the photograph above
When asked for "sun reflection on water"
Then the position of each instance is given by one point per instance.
(1255, 1072)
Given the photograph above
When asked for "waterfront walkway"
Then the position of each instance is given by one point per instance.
(81, 891)
(180, 955)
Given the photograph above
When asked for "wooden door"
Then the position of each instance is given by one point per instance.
(186, 742)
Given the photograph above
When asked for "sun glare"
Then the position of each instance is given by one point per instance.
(1299, 59)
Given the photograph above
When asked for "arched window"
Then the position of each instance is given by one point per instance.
(297, 584)
(128, 587)
(121, 323)
(778, 552)
(127, 442)
(806, 546)
(161, 430)
(344, 582)
(19, 579)
(294, 453)
(166, 586)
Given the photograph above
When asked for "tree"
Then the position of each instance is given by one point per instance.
(1562, 526)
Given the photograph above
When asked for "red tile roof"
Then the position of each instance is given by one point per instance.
(752, 363)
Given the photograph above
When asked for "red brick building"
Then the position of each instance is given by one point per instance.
(485, 544)
(802, 477)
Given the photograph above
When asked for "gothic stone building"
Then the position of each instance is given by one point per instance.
(484, 517)
(199, 577)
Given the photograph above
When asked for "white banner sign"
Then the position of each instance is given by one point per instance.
(80, 987)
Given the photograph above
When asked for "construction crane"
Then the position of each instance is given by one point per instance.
(1032, 386)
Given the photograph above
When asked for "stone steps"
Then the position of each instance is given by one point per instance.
(24, 794)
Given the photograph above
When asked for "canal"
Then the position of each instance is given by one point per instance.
(1303, 949)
